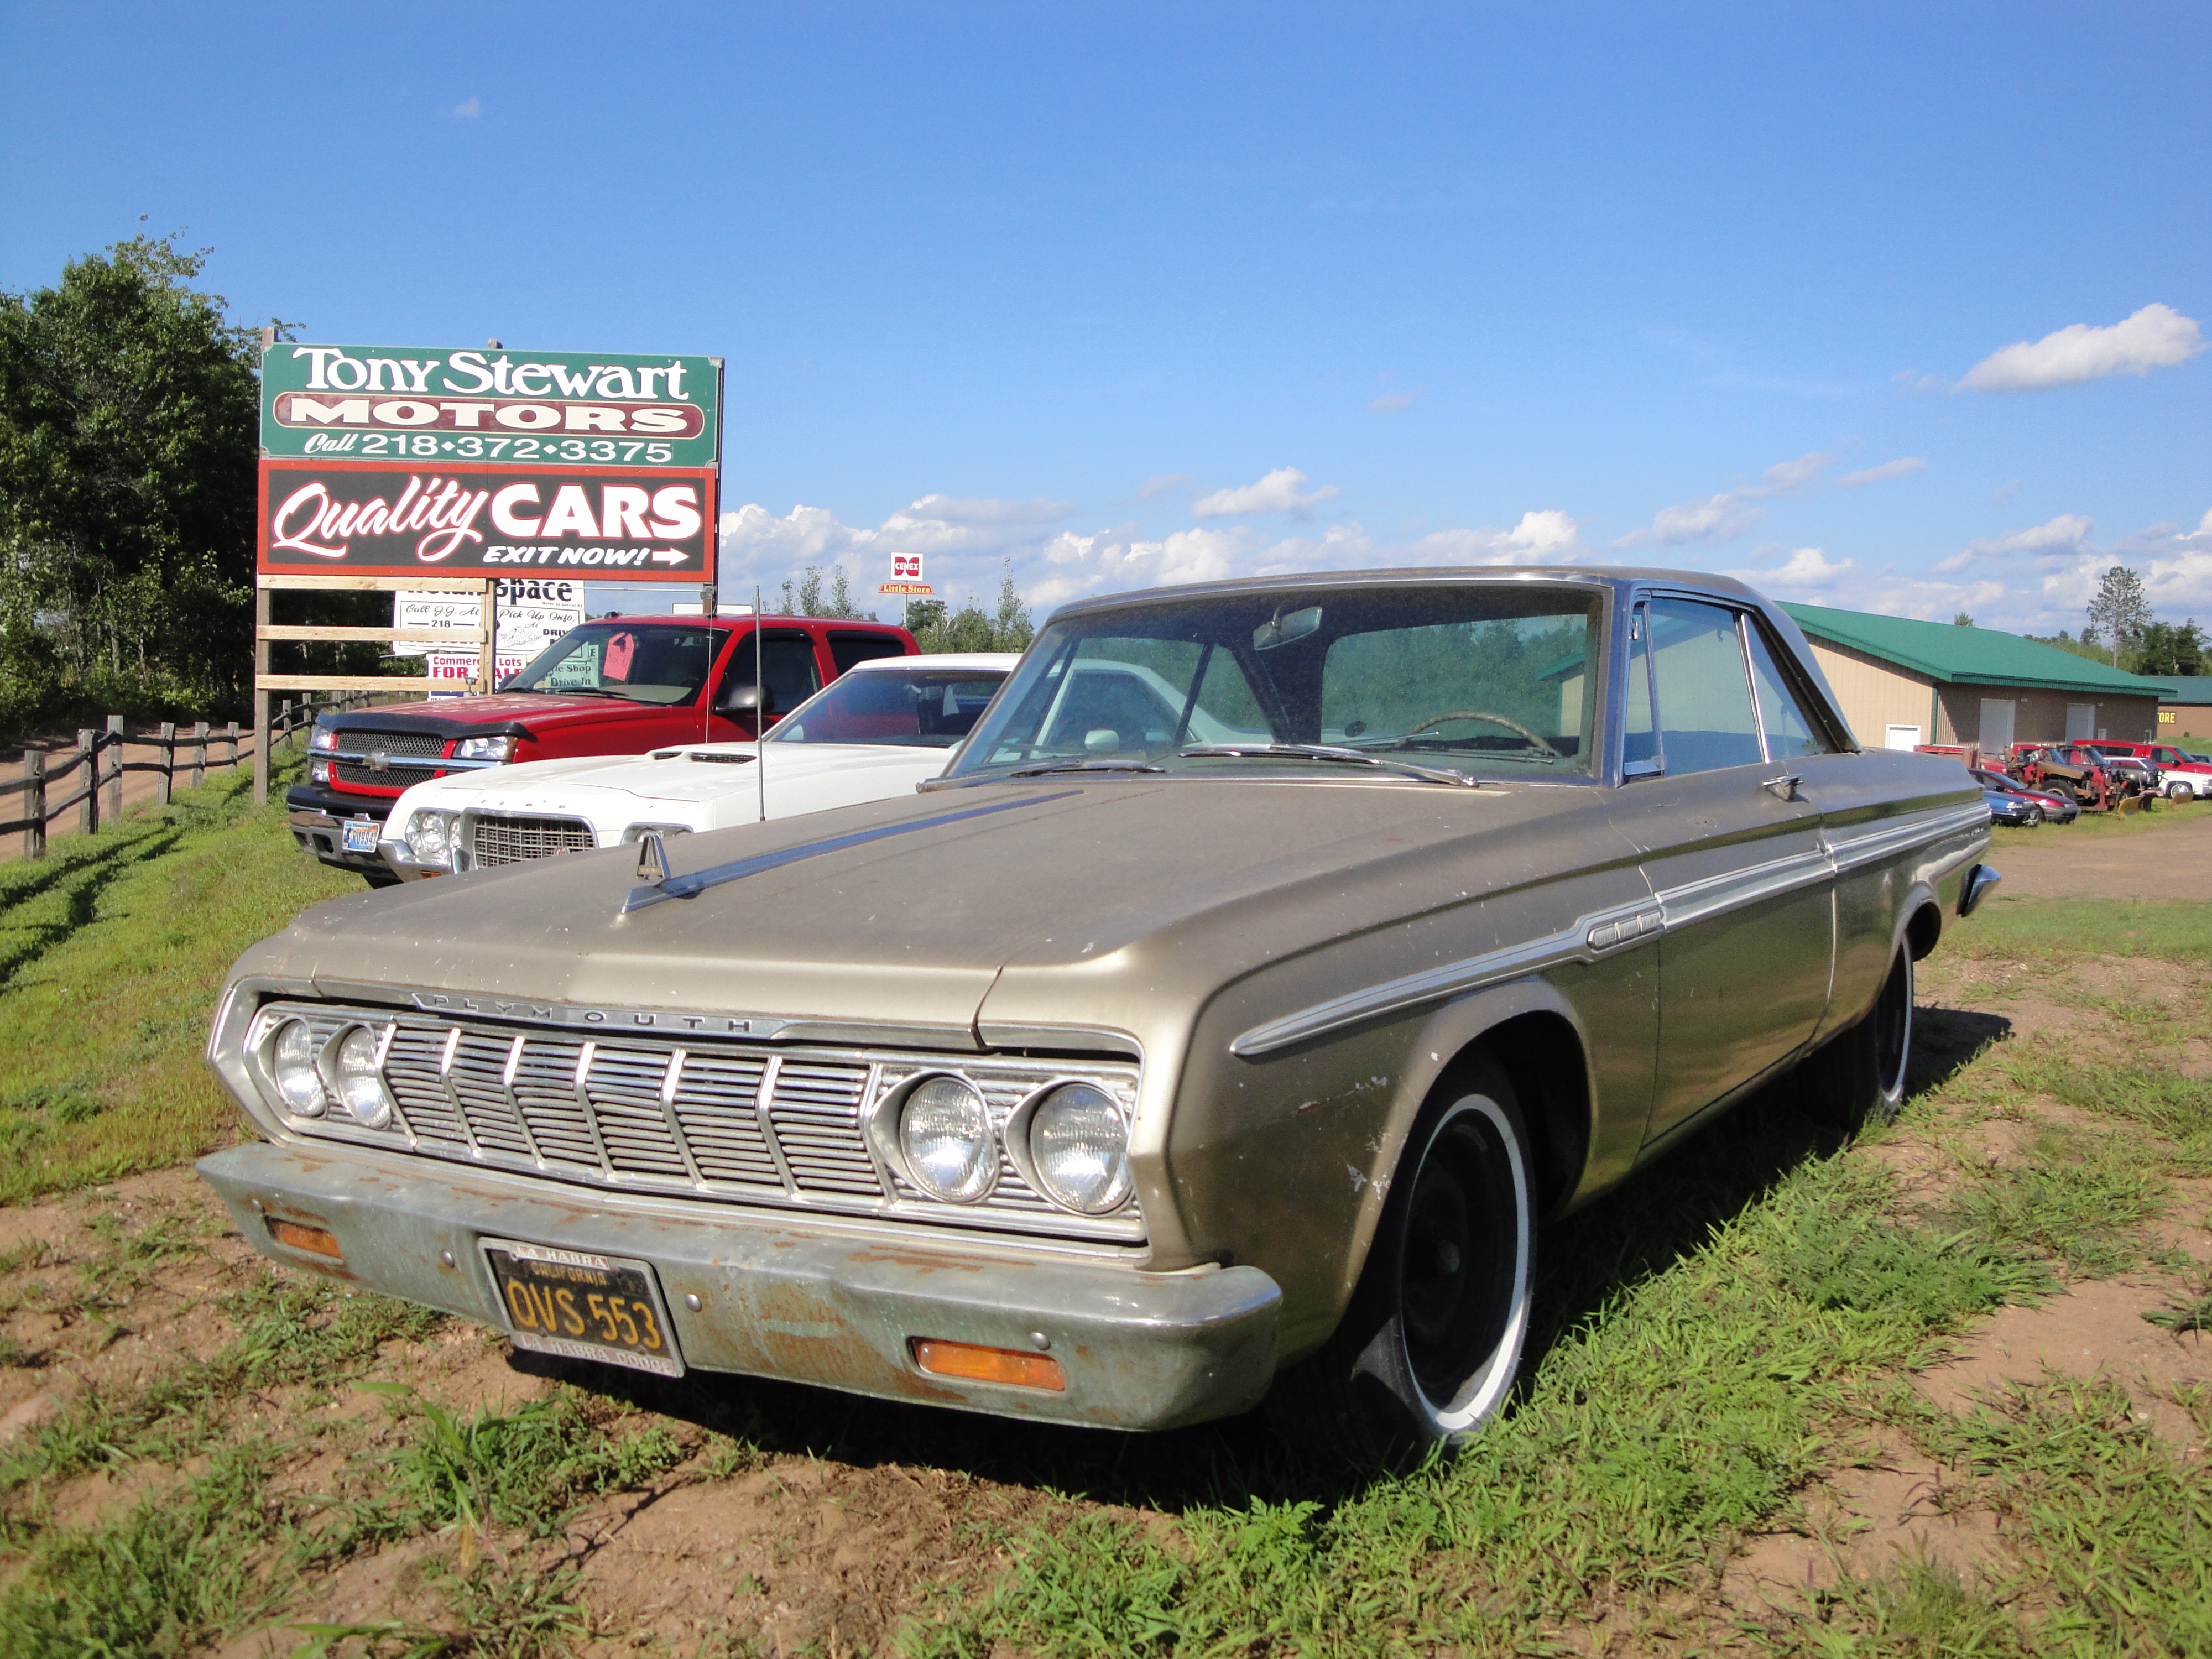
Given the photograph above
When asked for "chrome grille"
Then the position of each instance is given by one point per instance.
(392, 742)
(709, 1119)
(497, 839)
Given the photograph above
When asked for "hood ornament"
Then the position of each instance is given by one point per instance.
(652, 859)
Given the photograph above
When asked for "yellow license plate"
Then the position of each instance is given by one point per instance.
(584, 1306)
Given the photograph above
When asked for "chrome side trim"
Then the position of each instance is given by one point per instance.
(1863, 844)
(1606, 932)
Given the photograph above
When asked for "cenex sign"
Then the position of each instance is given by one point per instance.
(393, 460)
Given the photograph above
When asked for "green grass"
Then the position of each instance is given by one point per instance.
(2097, 826)
(112, 949)
(2038, 930)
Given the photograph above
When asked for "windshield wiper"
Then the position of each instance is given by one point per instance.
(1324, 751)
(1084, 766)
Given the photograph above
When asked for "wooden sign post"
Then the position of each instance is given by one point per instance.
(264, 631)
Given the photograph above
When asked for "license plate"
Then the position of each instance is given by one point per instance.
(360, 838)
(584, 1306)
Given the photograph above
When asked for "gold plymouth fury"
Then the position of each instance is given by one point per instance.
(1216, 1030)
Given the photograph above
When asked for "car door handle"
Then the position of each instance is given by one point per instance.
(1783, 788)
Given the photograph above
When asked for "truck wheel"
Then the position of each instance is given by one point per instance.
(2179, 791)
(1858, 1077)
(1430, 1345)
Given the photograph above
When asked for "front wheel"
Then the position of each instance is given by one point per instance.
(1432, 1340)
(1858, 1077)
(2178, 791)
(2035, 818)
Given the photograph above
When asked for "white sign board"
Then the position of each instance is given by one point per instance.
(532, 616)
(460, 666)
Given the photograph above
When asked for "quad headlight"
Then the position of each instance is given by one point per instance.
(430, 835)
(349, 1067)
(292, 1067)
(945, 1140)
(1078, 1147)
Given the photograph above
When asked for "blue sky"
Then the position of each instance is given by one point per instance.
(1148, 293)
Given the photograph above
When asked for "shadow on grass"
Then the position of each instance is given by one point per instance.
(83, 876)
(1660, 1217)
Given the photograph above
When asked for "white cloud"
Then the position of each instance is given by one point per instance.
(1282, 490)
(1808, 566)
(1724, 517)
(1163, 483)
(1391, 401)
(2066, 533)
(2157, 337)
(467, 110)
(1896, 469)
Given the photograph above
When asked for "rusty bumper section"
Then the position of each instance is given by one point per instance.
(1140, 1350)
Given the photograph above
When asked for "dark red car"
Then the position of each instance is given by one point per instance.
(618, 686)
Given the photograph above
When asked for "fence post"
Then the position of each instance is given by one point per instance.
(232, 763)
(287, 722)
(167, 775)
(115, 769)
(199, 752)
(35, 803)
(88, 760)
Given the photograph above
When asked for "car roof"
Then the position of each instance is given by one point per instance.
(994, 661)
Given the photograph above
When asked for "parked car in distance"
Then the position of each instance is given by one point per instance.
(620, 685)
(2058, 809)
(2018, 811)
(2180, 774)
(876, 731)
(1131, 1074)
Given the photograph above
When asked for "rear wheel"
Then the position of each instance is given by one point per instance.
(1858, 1077)
(2179, 791)
(1430, 1344)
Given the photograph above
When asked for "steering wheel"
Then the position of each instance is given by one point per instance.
(1543, 747)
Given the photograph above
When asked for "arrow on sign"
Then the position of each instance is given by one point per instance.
(668, 556)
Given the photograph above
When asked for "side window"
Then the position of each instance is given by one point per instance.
(1789, 732)
(787, 664)
(1705, 715)
(845, 649)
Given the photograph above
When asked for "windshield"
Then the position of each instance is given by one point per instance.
(643, 662)
(919, 708)
(1484, 679)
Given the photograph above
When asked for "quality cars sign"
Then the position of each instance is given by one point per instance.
(411, 460)
(374, 518)
(597, 408)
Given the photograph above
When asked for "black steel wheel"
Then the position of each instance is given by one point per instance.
(1858, 1077)
(1429, 1347)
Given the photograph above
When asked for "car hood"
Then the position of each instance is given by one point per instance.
(616, 786)
(536, 710)
(1083, 892)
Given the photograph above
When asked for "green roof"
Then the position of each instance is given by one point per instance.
(1953, 655)
(2191, 691)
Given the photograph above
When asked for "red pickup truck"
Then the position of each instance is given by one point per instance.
(2180, 777)
(618, 686)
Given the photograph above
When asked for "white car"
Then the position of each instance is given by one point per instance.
(875, 731)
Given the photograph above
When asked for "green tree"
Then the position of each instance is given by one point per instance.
(2168, 648)
(2119, 613)
(971, 628)
(1962, 620)
(808, 600)
(129, 415)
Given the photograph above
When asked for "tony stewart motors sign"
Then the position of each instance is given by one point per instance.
(474, 519)
(417, 404)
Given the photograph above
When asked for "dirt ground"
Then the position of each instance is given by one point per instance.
(862, 1513)
(2173, 862)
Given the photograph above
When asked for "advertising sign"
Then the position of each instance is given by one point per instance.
(531, 614)
(477, 519)
(413, 404)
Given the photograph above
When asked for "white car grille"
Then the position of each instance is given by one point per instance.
(496, 838)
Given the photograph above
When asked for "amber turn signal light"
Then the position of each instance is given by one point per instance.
(316, 1240)
(980, 1364)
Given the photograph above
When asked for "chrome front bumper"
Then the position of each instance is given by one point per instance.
(806, 1304)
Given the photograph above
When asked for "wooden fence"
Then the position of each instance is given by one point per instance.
(99, 757)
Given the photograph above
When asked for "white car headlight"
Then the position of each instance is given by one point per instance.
(349, 1067)
(429, 835)
(491, 749)
(945, 1134)
(1079, 1144)
(292, 1064)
